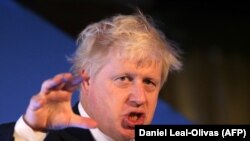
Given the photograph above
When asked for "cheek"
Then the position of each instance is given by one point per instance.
(98, 98)
(103, 97)
(98, 106)
(108, 102)
(151, 105)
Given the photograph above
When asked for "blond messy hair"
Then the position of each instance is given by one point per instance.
(134, 37)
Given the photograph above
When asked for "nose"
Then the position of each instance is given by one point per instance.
(137, 95)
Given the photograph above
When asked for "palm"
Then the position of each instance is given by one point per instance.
(51, 108)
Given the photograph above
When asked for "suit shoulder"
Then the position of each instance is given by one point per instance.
(6, 131)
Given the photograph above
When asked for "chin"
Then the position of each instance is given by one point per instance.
(128, 134)
(122, 134)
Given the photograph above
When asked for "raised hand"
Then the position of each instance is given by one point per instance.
(51, 108)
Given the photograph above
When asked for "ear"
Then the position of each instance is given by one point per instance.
(85, 82)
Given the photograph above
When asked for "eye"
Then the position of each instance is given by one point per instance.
(149, 82)
(123, 78)
(150, 85)
(123, 81)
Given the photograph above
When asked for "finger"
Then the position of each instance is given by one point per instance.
(47, 85)
(66, 83)
(56, 83)
(82, 122)
(61, 80)
(36, 102)
(73, 83)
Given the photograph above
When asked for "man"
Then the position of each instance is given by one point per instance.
(120, 65)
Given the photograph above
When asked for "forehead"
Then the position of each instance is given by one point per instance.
(136, 52)
(125, 56)
(121, 64)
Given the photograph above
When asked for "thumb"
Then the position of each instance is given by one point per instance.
(82, 122)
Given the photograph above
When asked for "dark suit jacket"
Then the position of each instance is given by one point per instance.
(68, 134)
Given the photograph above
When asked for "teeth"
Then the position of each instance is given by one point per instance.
(133, 117)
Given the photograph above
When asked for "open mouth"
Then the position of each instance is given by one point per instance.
(132, 119)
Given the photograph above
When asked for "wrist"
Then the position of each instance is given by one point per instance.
(32, 126)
